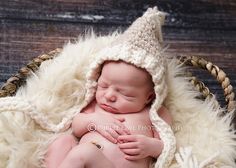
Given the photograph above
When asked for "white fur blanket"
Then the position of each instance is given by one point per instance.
(45, 106)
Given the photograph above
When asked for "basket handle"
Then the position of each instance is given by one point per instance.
(15, 81)
(217, 73)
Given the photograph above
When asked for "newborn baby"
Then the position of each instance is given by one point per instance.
(126, 85)
(115, 129)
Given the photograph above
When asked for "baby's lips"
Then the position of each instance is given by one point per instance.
(108, 108)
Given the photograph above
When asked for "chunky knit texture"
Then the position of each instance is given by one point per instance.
(140, 45)
(17, 104)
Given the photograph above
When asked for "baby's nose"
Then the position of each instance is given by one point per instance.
(110, 95)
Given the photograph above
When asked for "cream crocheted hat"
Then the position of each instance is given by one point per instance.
(140, 45)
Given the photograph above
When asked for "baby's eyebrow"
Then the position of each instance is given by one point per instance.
(102, 80)
(124, 89)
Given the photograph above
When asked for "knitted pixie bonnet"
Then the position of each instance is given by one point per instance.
(140, 45)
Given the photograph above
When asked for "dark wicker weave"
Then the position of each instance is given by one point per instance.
(17, 80)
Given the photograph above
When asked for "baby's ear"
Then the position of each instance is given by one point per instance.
(150, 97)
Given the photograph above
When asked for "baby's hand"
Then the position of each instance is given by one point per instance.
(137, 147)
(108, 126)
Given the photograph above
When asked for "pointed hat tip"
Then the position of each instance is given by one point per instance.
(155, 14)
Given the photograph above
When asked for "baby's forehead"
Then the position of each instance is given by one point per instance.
(126, 69)
(122, 66)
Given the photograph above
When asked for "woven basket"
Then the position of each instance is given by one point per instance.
(17, 80)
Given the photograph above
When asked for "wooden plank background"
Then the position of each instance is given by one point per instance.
(205, 28)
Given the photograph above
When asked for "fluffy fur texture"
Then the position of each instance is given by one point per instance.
(197, 124)
(56, 92)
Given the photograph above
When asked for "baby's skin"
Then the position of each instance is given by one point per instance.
(115, 129)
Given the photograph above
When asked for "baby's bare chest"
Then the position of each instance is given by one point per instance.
(137, 123)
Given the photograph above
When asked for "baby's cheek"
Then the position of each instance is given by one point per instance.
(127, 105)
(98, 95)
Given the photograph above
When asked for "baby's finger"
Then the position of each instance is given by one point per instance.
(108, 136)
(120, 131)
(121, 119)
(126, 130)
(118, 128)
(123, 129)
(113, 133)
(131, 151)
(128, 145)
(130, 157)
(127, 138)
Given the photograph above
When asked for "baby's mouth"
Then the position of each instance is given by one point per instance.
(108, 108)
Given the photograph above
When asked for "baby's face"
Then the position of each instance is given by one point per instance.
(123, 88)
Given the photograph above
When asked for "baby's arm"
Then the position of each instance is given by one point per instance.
(164, 113)
(80, 124)
(82, 120)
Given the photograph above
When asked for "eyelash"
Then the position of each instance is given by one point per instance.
(102, 85)
(128, 96)
(105, 86)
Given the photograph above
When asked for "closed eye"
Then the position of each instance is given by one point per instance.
(129, 98)
(102, 86)
(127, 95)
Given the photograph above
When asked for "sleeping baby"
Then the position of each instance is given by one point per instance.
(115, 129)
(123, 123)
